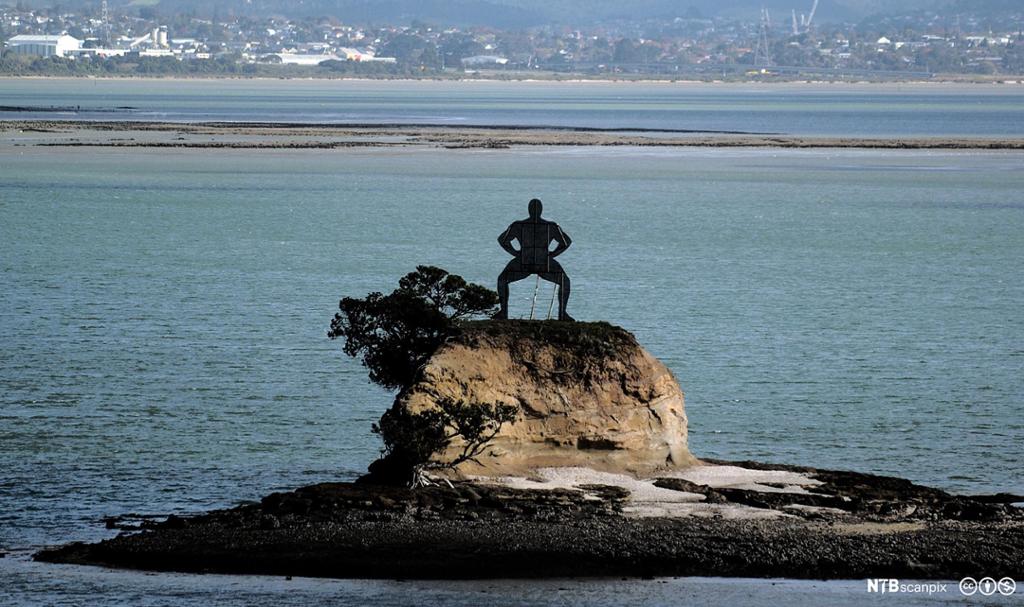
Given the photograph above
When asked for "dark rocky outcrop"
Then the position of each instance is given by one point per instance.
(866, 497)
(474, 530)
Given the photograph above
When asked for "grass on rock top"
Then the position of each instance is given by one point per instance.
(586, 343)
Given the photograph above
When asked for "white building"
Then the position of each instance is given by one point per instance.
(354, 54)
(304, 59)
(44, 46)
(484, 61)
(98, 52)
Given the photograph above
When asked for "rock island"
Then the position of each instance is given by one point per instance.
(594, 478)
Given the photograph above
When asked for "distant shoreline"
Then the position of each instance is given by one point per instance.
(499, 78)
(254, 135)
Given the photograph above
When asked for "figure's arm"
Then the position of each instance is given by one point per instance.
(505, 240)
(563, 240)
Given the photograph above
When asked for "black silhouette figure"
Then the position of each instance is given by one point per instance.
(534, 256)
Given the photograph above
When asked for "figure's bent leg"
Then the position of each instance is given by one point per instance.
(502, 297)
(507, 276)
(562, 280)
(563, 297)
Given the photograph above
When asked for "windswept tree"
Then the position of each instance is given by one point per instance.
(413, 442)
(395, 335)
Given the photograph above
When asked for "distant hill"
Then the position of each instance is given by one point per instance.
(566, 10)
(526, 13)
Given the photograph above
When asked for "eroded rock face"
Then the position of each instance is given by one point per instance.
(588, 395)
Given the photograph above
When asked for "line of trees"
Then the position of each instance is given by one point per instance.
(12, 64)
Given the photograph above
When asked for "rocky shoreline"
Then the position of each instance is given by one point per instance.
(214, 135)
(835, 525)
(595, 478)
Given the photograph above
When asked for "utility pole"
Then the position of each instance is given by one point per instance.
(762, 53)
(105, 18)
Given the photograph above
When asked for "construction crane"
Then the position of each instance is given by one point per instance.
(810, 18)
(137, 41)
(804, 25)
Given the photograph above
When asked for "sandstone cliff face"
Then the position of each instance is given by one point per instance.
(587, 393)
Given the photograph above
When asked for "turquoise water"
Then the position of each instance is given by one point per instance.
(164, 314)
(88, 586)
(896, 110)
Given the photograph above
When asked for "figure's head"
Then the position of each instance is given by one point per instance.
(535, 208)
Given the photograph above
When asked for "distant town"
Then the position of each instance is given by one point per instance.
(140, 41)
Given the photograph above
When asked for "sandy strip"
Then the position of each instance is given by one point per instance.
(313, 136)
(647, 500)
(768, 481)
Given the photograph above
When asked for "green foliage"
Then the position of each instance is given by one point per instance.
(473, 423)
(456, 47)
(366, 68)
(395, 334)
(449, 293)
(412, 440)
(410, 49)
(12, 64)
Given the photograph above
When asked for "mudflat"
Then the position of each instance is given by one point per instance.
(233, 135)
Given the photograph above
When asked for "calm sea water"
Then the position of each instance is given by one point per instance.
(163, 319)
(794, 109)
